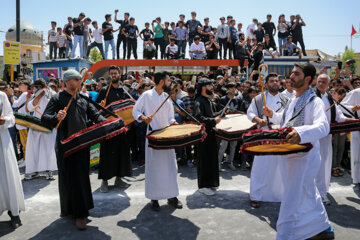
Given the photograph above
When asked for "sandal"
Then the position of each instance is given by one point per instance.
(335, 172)
(254, 204)
(340, 173)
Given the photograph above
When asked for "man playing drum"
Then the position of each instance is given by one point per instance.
(160, 165)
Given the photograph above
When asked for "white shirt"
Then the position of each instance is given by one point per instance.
(97, 35)
(199, 47)
(52, 33)
(289, 94)
(339, 115)
(173, 49)
(248, 32)
(16, 104)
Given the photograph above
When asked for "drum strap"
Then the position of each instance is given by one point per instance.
(293, 119)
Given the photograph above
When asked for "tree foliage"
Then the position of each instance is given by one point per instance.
(95, 55)
(349, 54)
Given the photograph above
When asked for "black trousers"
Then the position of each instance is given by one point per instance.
(301, 41)
(159, 44)
(62, 52)
(123, 39)
(223, 46)
(132, 46)
(232, 49)
(53, 49)
(212, 54)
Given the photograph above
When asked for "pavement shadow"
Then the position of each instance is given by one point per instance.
(187, 172)
(5, 228)
(32, 187)
(64, 228)
(160, 225)
(343, 214)
(109, 204)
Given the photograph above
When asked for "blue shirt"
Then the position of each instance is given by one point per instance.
(181, 33)
(178, 117)
(93, 95)
(233, 33)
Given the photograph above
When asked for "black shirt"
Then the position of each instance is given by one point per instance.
(146, 33)
(259, 35)
(204, 111)
(68, 29)
(193, 26)
(297, 31)
(270, 45)
(207, 29)
(269, 28)
(123, 24)
(108, 35)
(131, 30)
(212, 46)
(115, 94)
(79, 29)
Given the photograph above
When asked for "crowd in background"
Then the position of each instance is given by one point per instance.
(169, 40)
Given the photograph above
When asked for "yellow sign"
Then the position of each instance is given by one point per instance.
(11, 53)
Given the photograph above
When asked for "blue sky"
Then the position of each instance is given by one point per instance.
(328, 22)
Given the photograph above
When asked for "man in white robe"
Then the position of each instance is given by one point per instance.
(160, 165)
(289, 91)
(266, 181)
(302, 214)
(352, 101)
(11, 192)
(40, 146)
(332, 115)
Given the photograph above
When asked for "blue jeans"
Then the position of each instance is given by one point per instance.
(198, 55)
(282, 41)
(112, 43)
(78, 39)
(69, 45)
(99, 46)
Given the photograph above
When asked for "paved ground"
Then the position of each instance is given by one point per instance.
(125, 214)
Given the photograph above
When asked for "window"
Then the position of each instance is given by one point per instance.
(28, 53)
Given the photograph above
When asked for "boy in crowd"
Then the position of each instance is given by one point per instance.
(97, 35)
(52, 40)
(146, 33)
(172, 50)
(197, 49)
(132, 32)
(61, 42)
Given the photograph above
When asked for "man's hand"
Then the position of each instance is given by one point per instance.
(267, 112)
(356, 108)
(61, 114)
(293, 137)
(262, 123)
(2, 120)
(217, 119)
(28, 95)
(102, 103)
(146, 119)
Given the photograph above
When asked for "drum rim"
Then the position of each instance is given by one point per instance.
(179, 145)
(19, 117)
(308, 147)
(74, 135)
(202, 129)
(347, 126)
(121, 101)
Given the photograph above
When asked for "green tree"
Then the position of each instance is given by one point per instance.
(349, 54)
(95, 55)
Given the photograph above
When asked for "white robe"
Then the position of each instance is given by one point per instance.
(289, 94)
(266, 181)
(40, 146)
(326, 150)
(302, 213)
(11, 191)
(160, 165)
(17, 104)
(352, 99)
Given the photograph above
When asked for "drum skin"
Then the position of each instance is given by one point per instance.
(92, 135)
(271, 142)
(30, 122)
(177, 136)
(122, 108)
(233, 126)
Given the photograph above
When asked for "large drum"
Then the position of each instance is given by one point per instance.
(30, 122)
(233, 126)
(271, 142)
(348, 126)
(122, 108)
(92, 135)
(177, 136)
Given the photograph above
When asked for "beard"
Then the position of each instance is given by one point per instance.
(209, 92)
(166, 88)
(298, 84)
(114, 80)
(273, 89)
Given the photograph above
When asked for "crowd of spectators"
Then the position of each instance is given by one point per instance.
(169, 40)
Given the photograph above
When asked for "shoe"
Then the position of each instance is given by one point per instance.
(325, 235)
(15, 220)
(155, 205)
(175, 203)
(243, 166)
(325, 200)
(104, 186)
(214, 188)
(231, 167)
(80, 224)
(49, 176)
(29, 176)
(120, 183)
(190, 164)
(206, 191)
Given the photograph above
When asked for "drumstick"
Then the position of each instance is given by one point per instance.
(107, 93)
(262, 89)
(186, 112)
(331, 106)
(71, 99)
(227, 104)
(162, 104)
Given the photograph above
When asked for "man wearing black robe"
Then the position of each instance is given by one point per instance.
(74, 183)
(115, 153)
(208, 167)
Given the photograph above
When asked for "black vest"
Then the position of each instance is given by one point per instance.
(331, 100)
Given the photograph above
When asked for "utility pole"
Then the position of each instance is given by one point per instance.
(18, 28)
